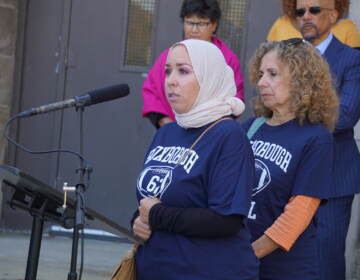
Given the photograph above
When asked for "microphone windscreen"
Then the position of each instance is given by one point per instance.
(108, 93)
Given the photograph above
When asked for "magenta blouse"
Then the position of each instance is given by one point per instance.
(153, 90)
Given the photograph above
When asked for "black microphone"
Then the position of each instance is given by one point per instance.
(90, 98)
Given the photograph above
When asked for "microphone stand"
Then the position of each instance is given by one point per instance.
(80, 188)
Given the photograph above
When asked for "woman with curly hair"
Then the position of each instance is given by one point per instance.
(345, 30)
(296, 111)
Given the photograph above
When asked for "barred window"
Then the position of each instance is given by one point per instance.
(232, 23)
(139, 32)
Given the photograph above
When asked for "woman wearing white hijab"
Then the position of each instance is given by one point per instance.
(195, 187)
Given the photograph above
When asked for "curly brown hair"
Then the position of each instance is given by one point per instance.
(289, 7)
(314, 97)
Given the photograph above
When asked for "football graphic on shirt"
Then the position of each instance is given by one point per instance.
(262, 172)
(154, 180)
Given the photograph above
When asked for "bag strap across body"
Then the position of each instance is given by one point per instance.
(199, 138)
(257, 123)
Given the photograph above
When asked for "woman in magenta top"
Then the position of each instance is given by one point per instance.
(201, 19)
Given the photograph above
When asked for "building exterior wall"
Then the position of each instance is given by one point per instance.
(354, 15)
(353, 239)
(354, 12)
(8, 34)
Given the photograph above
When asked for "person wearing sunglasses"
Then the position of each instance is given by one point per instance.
(200, 21)
(344, 62)
(296, 110)
(284, 27)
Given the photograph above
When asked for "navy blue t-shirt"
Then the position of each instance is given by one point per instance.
(289, 160)
(217, 174)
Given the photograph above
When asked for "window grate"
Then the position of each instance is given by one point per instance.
(139, 32)
(232, 23)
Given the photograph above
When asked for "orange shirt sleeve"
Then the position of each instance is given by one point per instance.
(296, 217)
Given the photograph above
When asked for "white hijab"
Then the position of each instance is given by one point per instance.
(216, 97)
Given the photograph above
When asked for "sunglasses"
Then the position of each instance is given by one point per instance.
(291, 42)
(313, 10)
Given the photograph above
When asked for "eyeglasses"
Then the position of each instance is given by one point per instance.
(200, 24)
(313, 10)
(291, 42)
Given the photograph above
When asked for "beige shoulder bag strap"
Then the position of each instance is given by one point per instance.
(199, 138)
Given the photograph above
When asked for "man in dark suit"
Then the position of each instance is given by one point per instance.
(314, 19)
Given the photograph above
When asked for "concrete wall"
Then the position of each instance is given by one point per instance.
(353, 238)
(8, 31)
(354, 15)
(354, 12)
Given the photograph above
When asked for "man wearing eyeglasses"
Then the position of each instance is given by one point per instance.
(314, 19)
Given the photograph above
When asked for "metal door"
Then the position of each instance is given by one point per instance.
(259, 18)
(72, 46)
(113, 42)
(38, 80)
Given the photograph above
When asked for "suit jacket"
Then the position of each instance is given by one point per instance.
(344, 64)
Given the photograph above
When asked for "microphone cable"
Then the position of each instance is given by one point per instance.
(83, 160)
(21, 147)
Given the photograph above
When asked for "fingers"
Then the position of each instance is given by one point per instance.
(141, 224)
(141, 229)
(145, 206)
(144, 214)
